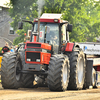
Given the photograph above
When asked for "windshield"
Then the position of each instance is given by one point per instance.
(49, 33)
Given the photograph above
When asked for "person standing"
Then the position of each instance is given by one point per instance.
(15, 48)
(11, 50)
(5, 48)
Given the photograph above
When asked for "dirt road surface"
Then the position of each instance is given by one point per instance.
(43, 93)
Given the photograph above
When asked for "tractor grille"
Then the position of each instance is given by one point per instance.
(33, 45)
(32, 57)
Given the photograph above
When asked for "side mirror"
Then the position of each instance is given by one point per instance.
(69, 28)
(20, 25)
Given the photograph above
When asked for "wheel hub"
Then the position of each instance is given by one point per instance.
(93, 77)
(80, 69)
(65, 73)
(18, 67)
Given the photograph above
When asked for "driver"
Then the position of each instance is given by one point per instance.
(50, 36)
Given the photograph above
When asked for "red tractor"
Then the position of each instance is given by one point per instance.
(48, 58)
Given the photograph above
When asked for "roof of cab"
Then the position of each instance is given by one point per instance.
(50, 16)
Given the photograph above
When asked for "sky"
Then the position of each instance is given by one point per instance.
(2, 2)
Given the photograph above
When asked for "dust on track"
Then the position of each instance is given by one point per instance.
(43, 93)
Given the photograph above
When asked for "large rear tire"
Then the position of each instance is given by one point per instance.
(94, 81)
(58, 73)
(77, 70)
(28, 81)
(8, 71)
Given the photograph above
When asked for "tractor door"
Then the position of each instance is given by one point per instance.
(63, 33)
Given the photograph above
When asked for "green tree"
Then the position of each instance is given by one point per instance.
(20, 38)
(22, 10)
(84, 15)
(76, 14)
(54, 6)
(93, 13)
(73, 11)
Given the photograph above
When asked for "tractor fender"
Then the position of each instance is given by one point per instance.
(71, 47)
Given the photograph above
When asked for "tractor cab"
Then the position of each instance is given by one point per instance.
(49, 33)
(52, 31)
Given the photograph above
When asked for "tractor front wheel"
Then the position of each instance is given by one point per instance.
(58, 73)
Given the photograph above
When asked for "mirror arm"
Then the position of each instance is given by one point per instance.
(28, 22)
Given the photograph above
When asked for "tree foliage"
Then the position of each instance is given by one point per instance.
(22, 10)
(20, 38)
(83, 14)
(54, 6)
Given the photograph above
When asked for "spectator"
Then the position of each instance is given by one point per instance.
(5, 48)
(15, 48)
(11, 50)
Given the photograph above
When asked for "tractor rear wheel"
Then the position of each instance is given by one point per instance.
(28, 81)
(94, 82)
(58, 73)
(8, 71)
(77, 70)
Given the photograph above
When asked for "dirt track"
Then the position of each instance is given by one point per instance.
(46, 94)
